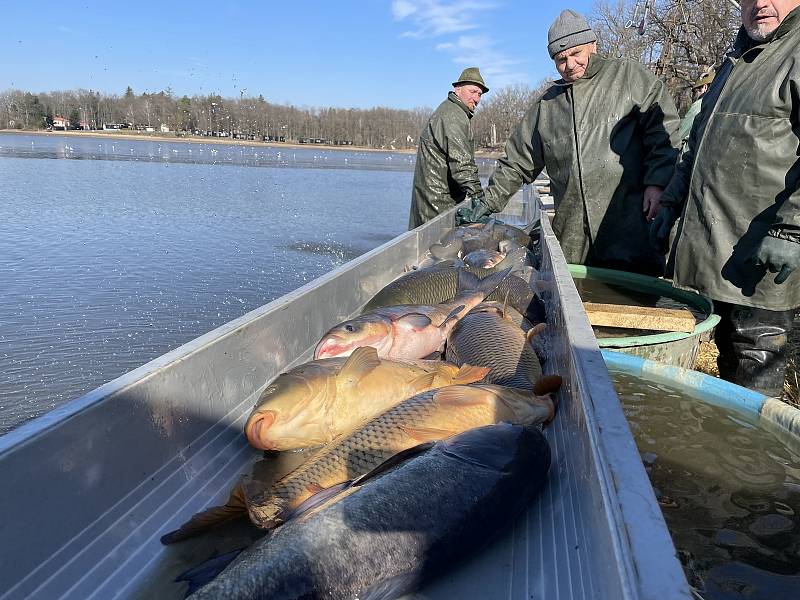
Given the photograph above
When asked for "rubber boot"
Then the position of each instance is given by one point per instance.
(753, 347)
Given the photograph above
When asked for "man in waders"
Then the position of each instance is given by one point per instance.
(737, 189)
(446, 173)
(607, 132)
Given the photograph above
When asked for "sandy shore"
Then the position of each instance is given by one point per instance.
(196, 139)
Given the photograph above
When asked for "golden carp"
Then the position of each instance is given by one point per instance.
(429, 416)
(408, 331)
(315, 402)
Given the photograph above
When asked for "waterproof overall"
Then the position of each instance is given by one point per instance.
(738, 179)
(603, 139)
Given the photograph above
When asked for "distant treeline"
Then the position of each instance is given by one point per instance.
(251, 118)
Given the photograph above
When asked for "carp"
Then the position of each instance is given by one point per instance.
(319, 400)
(391, 530)
(438, 285)
(489, 338)
(429, 416)
(408, 331)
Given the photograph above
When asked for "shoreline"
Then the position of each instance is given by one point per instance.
(196, 139)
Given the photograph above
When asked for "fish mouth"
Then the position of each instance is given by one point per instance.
(332, 347)
(257, 428)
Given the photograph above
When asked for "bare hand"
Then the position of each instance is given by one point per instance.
(652, 201)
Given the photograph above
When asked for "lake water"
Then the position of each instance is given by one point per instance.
(113, 252)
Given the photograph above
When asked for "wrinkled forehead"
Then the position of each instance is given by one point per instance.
(574, 51)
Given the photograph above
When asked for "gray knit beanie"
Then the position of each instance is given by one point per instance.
(568, 30)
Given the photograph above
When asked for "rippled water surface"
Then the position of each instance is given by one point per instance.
(729, 490)
(115, 251)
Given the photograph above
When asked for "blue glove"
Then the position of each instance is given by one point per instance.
(779, 255)
(474, 212)
(661, 227)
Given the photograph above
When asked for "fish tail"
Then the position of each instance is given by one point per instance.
(548, 384)
(470, 374)
(203, 574)
(489, 284)
(234, 508)
(535, 331)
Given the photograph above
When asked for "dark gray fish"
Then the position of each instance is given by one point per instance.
(437, 285)
(391, 530)
(487, 337)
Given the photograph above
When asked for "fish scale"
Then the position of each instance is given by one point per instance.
(390, 433)
(439, 285)
(488, 340)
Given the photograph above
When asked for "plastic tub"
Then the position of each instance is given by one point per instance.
(673, 348)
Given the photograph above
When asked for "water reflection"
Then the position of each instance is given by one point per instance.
(107, 264)
(728, 488)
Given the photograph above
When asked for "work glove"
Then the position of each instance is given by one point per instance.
(661, 226)
(779, 252)
(474, 212)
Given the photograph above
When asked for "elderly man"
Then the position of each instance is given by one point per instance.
(446, 172)
(737, 188)
(607, 134)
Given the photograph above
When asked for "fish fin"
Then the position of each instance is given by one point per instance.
(554, 408)
(423, 382)
(490, 283)
(234, 508)
(459, 395)
(446, 251)
(414, 322)
(534, 331)
(393, 462)
(314, 488)
(426, 434)
(318, 499)
(361, 363)
(454, 314)
(470, 374)
(548, 384)
(204, 573)
(466, 282)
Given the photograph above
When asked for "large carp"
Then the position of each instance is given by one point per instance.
(391, 530)
(319, 400)
(439, 285)
(429, 416)
(408, 331)
(488, 337)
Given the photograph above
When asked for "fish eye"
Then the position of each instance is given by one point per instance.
(349, 328)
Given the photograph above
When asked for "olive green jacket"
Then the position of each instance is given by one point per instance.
(603, 139)
(740, 174)
(445, 173)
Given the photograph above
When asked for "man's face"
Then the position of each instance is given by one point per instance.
(571, 63)
(470, 94)
(762, 17)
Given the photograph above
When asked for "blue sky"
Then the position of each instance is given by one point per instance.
(398, 53)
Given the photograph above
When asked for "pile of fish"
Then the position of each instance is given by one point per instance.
(367, 514)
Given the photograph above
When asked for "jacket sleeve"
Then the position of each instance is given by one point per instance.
(659, 123)
(677, 189)
(452, 136)
(522, 163)
(788, 215)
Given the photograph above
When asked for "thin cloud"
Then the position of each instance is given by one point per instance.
(432, 18)
(443, 19)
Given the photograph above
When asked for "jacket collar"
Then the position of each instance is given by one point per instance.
(744, 42)
(457, 101)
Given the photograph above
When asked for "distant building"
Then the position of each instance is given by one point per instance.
(164, 128)
(60, 122)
